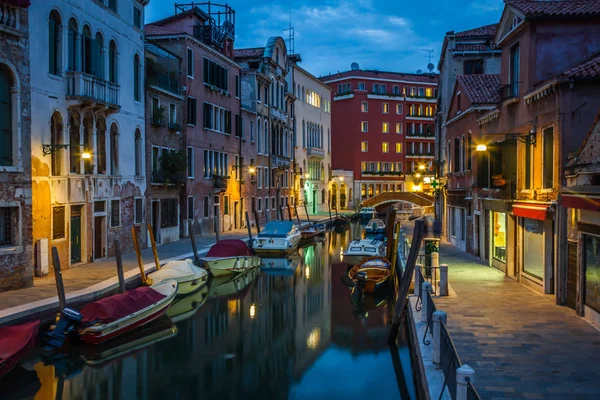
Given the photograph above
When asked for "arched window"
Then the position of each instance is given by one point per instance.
(56, 127)
(101, 145)
(88, 127)
(54, 48)
(86, 50)
(74, 140)
(98, 56)
(277, 56)
(137, 86)
(72, 45)
(258, 136)
(6, 118)
(138, 152)
(469, 151)
(112, 62)
(114, 149)
(266, 137)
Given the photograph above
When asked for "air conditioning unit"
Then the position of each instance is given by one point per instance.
(41, 258)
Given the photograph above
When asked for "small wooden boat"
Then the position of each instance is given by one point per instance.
(358, 250)
(115, 315)
(372, 274)
(277, 237)
(233, 287)
(375, 226)
(185, 307)
(15, 342)
(309, 233)
(367, 213)
(230, 256)
(189, 277)
(321, 228)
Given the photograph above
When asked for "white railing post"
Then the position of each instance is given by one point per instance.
(425, 289)
(444, 280)
(438, 317)
(418, 268)
(462, 373)
(435, 259)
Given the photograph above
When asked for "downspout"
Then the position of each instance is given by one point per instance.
(561, 239)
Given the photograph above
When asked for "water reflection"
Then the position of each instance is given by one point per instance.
(287, 331)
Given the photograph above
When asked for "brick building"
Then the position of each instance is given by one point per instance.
(382, 130)
(16, 263)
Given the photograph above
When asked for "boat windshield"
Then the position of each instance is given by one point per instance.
(277, 229)
(370, 249)
(355, 248)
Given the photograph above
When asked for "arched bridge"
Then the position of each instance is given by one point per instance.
(420, 199)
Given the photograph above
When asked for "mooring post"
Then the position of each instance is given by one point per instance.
(463, 374)
(256, 221)
(217, 228)
(418, 276)
(289, 212)
(249, 229)
(306, 212)
(119, 260)
(425, 289)
(438, 318)
(60, 287)
(444, 280)
(138, 254)
(329, 207)
(193, 240)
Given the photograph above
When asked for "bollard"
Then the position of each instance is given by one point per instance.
(418, 268)
(435, 259)
(462, 373)
(425, 288)
(438, 316)
(444, 280)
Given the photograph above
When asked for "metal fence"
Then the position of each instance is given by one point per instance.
(471, 391)
(430, 310)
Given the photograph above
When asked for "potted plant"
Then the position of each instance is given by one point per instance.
(498, 180)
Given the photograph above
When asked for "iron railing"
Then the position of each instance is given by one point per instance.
(471, 391)
(419, 278)
(449, 361)
(429, 328)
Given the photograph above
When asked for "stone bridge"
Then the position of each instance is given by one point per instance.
(420, 199)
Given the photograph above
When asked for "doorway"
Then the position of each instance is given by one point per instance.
(235, 214)
(75, 234)
(476, 240)
(314, 203)
(572, 275)
(99, 235)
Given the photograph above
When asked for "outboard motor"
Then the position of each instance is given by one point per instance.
(67, 322)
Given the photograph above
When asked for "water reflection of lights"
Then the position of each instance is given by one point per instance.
(341, 254)
(252, 311)
(307, 272)
(313, 339)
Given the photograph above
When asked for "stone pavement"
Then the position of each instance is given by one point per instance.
(520, 344)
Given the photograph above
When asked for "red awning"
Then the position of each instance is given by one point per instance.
(581, 202)
(533, 211)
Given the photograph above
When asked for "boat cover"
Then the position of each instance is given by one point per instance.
(16, 338)
(229, 248)
(177, 269)
(120, 305)
(277, 229)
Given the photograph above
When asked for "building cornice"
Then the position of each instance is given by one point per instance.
(382, 80)
(468, 111)
(493, 115)
(198, 43)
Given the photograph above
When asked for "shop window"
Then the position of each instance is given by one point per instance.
(592, 272)
(533, 243)
(499, 236)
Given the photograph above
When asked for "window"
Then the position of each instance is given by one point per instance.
(97, 56)
(266, 91)
(56, 131)
(456, 160)
(86, 50)
(527, 180)
(112, 4)
(172, 114)
(137, 85)
(72, 45)
(361, 86)
(399, 129)
(190, 207)
(138, 152)
(225, 205)
(385, 127)
(548, 157)
(386, 108)
(258, 93)
(252, 131)
(364, 126)
(216, 163)
(421, 92)
(382, 89)
(514, 71)
(363, 166)
(114, 149)
(396, 90)
(399, 109)
(533, 239)
(398, 147)
(364, 106)
(413, 91)
(168, 213)
(499, 236)
(112, 62)
(206, 207)
(591, 259)
(216, 75)
(190, 162)
(469, 151)
(138, 211)
(54, 45)
(385, 147)
(364, 146)
(428, 92)
(191, 111)
(237, 88)
(115, 213)
(218, 119)
(137, 17)
(58, 223)
(473, 67)
(190, 63)
(156, 111)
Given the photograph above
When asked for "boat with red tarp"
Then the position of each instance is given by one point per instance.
(230, 256)
(15, 342)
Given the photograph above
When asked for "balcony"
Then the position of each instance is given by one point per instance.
(91, 89)
(422, 154)
(278, 114)
(510, 91)
(159, 177)
(422, 116)
(280, 162)
(219, 24)
(414, 133)
(157, 121)
(220, 183)
(9, 18)
(315, 152)
(170, 83)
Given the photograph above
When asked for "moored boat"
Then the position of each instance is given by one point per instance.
(367, 213)
(277, 237)
(360, 249)
(309, 233)
(230, 256)
(321, 228)
(15, 342)
(375, 226)
(372, 274)
(189, 277)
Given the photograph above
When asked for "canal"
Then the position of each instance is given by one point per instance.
(287, 331)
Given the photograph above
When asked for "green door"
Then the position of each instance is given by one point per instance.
(75, 239)
(5, 120)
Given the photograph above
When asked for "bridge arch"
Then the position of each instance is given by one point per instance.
(419, 199)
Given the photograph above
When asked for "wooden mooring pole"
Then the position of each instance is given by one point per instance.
(289, 212)
(218, 228)
(153, 244)
(298, 217)
(193, 240)
(120, 272)
(138, 254)
(306, 211)
(60, 287)
(256, 221)
(249, 229)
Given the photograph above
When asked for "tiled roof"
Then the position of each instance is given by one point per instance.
(153, 30)
(556, 8)
(249, 53)
(482, 31)
(473, 47)
(480, 89)
(589, 69)
(362, 73)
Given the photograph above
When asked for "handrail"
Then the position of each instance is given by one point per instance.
(471, 391)
(449, 361)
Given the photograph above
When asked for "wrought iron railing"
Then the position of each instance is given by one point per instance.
(82, 85)
(471, 391)
(419, 278)
(429, 328)
(449, 361)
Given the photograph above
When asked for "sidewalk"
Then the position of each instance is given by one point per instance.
(88, 282)
(520, 344)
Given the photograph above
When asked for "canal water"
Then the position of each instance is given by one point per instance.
(287, 331)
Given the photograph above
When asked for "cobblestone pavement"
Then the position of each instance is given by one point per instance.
(520, 344)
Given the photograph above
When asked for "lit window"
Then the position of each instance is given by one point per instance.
(413, 91)
(398, 147)
(385, 147)
(429, 92)
(363, 166)
(399, 109)
(386, 108)
(364, 106)
(364, 126)
(399, 128)
(364, 147)
(385, 128)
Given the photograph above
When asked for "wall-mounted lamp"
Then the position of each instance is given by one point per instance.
(48, 149)
(86, 156)
(422, 167)
(307, 175)
(252, 170)
(481, 147)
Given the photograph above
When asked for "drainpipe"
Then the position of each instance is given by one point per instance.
(560, 239)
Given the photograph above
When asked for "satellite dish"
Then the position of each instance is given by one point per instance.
(430, 67)
(419, 71)
(354, 66)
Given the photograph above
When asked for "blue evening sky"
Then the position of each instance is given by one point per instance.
(389, 35)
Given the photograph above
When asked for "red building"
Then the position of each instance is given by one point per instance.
(382, 130)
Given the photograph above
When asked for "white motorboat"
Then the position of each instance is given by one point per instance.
(277, 237)
(367, 213)
(230, 256)
(188, 276)
(375, 226)
(359, 249)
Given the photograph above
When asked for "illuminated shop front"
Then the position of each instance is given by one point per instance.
(498, 235)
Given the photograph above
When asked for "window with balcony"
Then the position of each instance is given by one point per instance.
(386, 108)
(54, 44)
(137, 76)
(548, 157)
(385, 147)
(72, 45)
(398, 147)
(364, 146)
(364, 106)
(385, 127)
(399, 128)
(364, 126)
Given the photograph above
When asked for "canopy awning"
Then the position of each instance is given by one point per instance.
(530, 210)
(581, 202)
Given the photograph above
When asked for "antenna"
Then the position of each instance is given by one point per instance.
(291, 35)
(429, 56)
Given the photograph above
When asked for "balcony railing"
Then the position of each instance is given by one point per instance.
(161, 177)
(220, 182)
(83, 86)
(414, 133)
(509, 91)
(280, 162)
(422, 115)
(9, 16)
(420, 153)
(163, 81)
(315, 152)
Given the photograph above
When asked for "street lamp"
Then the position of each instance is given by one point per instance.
(481, 147)
(422, 167)
(341, 178)
(307, 175)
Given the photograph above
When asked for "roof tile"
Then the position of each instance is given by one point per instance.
(482, 31)
(153, 30)
(556, 8)
(480, 89)
(588, 69)
(249, 53)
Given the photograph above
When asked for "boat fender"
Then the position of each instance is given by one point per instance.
(66, 323)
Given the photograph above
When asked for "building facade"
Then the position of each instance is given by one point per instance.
(16, 251)
(89, 102)
(312, 119)
(382, 130)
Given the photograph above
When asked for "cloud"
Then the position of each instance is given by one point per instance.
(398, 21)
(486, 6)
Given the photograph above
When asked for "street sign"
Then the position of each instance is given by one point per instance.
(434, 183)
